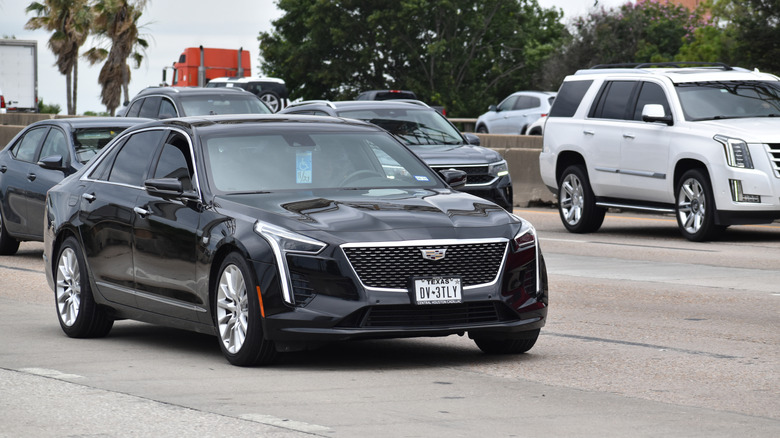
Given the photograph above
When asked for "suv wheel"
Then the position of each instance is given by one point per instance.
(482, 129)
(695, 207)
(272, 100)
(576, 202)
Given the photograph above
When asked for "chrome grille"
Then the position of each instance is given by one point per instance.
(393, 266)
(774, 157)
(475, 175)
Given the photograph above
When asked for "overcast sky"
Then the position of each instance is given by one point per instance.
(172, 25)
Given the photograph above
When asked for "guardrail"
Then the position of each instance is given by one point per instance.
(520, 151)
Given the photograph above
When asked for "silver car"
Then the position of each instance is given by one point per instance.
(515, 113)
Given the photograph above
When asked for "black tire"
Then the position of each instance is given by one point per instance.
(79, 315)
(535, 131)
(482, 129)
(237, 316)
(8, 245)
(577, 203)
(695, 207)
(271, 99)
(507, 346)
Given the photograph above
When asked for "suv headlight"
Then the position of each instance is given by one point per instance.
(737, 152)
(499, 169)
(284, 241)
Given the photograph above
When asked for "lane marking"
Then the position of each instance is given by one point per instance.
(53, 374)
(14, 268)
(299, 426)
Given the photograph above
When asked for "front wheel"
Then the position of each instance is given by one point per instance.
(577, 203)
(482, 129)
(695, 207)
(272, 100)
(78, 313)
(238, 316)
(507, 346)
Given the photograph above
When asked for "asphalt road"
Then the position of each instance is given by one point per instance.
(648, 335)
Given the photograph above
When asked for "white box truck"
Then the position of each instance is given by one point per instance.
(19, 74)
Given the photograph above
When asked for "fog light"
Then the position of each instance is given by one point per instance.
(738, 196)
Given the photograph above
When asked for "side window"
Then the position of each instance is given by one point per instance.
(132, 161)
(55, 144)
(167, 110)
(175, 161)
(569, 97)
(507, 104)
(527, 102)
(613, 102)
(24, 150)
(151, 107)
(651, 93)
(134, 108)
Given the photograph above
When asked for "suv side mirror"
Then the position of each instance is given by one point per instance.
(493, 108)
(654, 112)
(471, 139)
(454, 178)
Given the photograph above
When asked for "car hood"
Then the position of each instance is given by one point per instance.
(377, 214)
(455, 154)
(751, 130)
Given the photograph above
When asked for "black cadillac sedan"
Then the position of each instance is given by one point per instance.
(39, 157)
(279, 233)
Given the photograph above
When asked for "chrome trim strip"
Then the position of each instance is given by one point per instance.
(420, 243)
(149, 296)
(634, 207)
(633, 172)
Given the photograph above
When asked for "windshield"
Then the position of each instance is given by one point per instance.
(416, 127)
(250, 162)
(89, 141)
(729, 99)
(223, 104)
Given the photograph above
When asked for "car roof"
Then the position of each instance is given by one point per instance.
(360, 104)
(247, 79)
(234, 120)
(679, 72)
(87, 122)
(170, 91)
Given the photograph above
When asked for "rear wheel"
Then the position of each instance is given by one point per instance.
(78, 313)
(8, 245)
(238, 317)
(577, 203)
(482, 129)
(695, 207)
(507, 346)
(272, 100)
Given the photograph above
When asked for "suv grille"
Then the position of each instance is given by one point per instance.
(471, 313)
(774, 157)
(475, 175)
(392, 267)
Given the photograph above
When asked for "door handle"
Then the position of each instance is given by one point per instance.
(589, 132)
(31, 176)
(3, 168)
(631, 136)
(142, 212)
(89, 197)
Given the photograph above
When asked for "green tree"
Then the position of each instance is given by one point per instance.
(116, 21)
(48, 109)
(69, 22)
(455, 53)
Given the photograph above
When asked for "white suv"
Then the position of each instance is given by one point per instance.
(699, 141)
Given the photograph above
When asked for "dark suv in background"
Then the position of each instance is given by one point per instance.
(168, 102)
(272, 91)
(432, 137)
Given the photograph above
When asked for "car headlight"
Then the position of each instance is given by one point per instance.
(737, 152)
(284, 241)
(526, 239)
(499, 169)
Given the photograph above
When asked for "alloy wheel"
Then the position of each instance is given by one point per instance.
(232, 309)
(572, 199)
(68, 287)
(691, 205)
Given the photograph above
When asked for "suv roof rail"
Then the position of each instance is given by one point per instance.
(309, 102)
(677, 64)
(414, 101)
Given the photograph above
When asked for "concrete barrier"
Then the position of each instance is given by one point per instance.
(520, 151)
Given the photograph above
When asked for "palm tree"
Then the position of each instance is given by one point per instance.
(117, 22)
(69, 20)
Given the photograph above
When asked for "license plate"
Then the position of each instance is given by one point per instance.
(437, 290)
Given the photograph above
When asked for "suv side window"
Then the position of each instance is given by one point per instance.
(507, 104)
(569, 97)
(167, 110)
(613, 101)
(527, 102)
(151, 107)
(134, 108)
(651, 93)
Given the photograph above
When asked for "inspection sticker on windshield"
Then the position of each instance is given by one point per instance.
(303, 167)
(437, 290)
(421, 178)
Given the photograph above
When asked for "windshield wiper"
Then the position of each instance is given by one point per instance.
(251, 192)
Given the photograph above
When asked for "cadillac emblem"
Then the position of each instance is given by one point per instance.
(433, 254)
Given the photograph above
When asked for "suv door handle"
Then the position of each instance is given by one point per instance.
(3, 168)
(31, 176)
(89, 197)
(631, 136)
(589, 132)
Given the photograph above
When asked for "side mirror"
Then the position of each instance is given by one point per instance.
(456, 179)
(472, 139)
(654, 112)
(493, 108)
(54, 162)
(168, 188)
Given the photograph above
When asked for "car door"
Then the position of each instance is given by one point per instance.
(603, 136)
(499, 122)
(17, 169)
(644, 150)
(166, 246)
(41, 178)
(107, 214)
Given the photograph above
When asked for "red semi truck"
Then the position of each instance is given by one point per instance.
(198, 65)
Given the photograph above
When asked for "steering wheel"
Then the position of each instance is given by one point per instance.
(358, 175)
